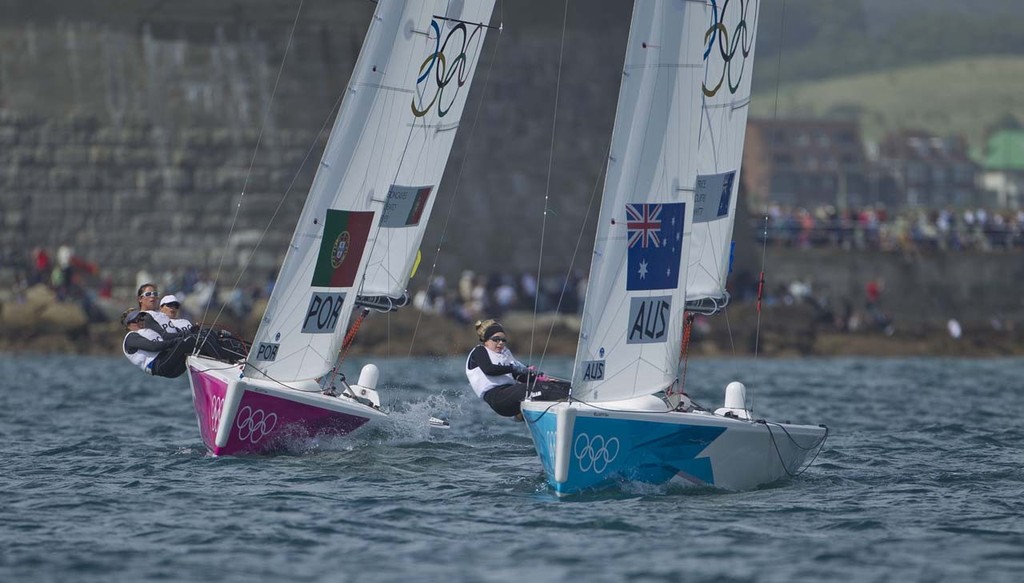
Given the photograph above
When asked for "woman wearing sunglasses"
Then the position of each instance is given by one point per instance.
(218, 344)
(170, 306)
(501, 380)
(149, 302)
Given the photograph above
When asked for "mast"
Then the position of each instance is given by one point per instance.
(632, 318)
(665, 230)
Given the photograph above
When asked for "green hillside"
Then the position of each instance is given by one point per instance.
(822, 39)
(962, 96)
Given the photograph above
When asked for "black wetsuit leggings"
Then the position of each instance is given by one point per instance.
(171, 362)
(505, 399)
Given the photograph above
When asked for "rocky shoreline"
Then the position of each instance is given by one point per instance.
(38, 324)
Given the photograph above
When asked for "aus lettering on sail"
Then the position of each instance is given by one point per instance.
(653, 258)
(593, 370)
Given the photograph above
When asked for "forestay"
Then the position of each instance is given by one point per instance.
(363, 220)
(632, 319)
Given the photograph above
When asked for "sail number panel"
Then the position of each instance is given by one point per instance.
(713, 196)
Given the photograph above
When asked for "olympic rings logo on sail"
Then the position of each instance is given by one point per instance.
(253, 424)
(742, 40)
(595, 453)
(445, 66)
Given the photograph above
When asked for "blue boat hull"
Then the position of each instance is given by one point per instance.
(602, 448)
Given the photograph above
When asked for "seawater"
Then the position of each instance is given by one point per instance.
(104, 478)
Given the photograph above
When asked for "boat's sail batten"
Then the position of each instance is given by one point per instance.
(632, 320)
(363, 219)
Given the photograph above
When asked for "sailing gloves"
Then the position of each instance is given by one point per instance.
(519, 368)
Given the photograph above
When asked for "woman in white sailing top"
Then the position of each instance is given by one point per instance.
(158, 321)
(501, 380)
(171, 307)
(148, 350)
(162, 318)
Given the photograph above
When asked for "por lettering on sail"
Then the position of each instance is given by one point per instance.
(323, 313)
(341, 248)
(648, 320)
(267, 351)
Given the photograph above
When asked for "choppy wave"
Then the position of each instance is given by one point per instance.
(105, 478)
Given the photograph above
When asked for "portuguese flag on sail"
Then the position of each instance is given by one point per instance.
(345, 234)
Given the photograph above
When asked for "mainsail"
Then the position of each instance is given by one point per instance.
(363, 220)
(632, 317)
(665, 227)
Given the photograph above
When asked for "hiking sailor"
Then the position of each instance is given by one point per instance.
(501, 380)
(146, 349)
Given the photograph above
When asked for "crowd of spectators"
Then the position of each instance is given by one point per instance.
(75, 280)
(475, 296)
(72, 278)
(910, 231)
(200, 294)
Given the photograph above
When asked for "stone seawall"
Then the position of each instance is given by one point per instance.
(128, 130)
(968, 286)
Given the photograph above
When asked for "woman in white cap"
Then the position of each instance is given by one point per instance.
(501, 380)
(171, 307)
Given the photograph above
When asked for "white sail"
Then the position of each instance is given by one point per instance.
(376, 183)
(442, 81)
(632, 319)
(729, 58)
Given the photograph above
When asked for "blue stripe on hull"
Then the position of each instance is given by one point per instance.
(605, 451)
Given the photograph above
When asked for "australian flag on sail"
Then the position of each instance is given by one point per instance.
(655, 234)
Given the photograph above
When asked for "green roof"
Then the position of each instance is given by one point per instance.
(1005, 151)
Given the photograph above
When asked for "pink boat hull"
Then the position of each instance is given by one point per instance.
(263, 423)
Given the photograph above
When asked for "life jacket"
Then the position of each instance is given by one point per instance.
(481, 382)
(142, 358)
(174, 326)
(180, 325)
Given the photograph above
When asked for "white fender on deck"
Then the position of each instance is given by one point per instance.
(564, 421)
(735, 401)
(369, 376)
(232, 397)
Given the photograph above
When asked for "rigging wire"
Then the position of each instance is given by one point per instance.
(684, 351)
(248, 175)
(547, 186)
(346, 344)
(771, 151)
(820, 446)
(462, 168)
(579, 241)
